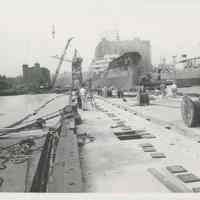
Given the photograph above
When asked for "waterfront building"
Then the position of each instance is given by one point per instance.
(36, 77)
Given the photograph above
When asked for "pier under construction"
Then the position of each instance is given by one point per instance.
(116, 146)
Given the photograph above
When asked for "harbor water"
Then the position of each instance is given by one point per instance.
(14, 108)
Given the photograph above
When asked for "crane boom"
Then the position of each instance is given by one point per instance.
(61, 62)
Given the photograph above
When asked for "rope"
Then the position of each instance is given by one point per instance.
(16, 153)
(19, 152)
(38, 123)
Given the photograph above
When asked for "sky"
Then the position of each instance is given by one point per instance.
(172, 26)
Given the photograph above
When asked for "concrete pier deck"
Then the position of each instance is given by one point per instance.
(112, 165)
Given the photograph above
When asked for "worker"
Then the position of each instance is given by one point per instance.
(142, 95)
(74, 96)
(118, 93)
(90, 98)
(174, 89)
(79, 100)
(83, 94)
(163, 90)
(114, 92)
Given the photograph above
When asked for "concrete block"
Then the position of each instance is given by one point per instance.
(129, 137)
(158, 155)
(146, 145)
(188, 178)
(176, 169)
(149, 149)
(132, 132)
(148, 136)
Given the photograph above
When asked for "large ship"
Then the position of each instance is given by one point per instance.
(186, 72)
(130, 59)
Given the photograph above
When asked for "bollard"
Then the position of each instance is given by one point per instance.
(143, 98)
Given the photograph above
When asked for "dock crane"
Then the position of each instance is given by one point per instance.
(61, 59)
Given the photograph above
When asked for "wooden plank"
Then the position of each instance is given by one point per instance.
(166, 181)
(176, 169)
(149, 149)
(188, 178)
(176, 181)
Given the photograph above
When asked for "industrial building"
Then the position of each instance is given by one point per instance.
(36, 77)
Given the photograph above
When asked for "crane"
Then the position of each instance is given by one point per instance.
(61, 59)
(57, 57)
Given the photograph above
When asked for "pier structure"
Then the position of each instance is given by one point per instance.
(143, 149)
(116, 146)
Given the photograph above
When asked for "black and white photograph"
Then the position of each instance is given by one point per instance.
(100, 97)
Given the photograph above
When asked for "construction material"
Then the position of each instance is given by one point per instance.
(129, 137)
(143, 99)
(146, 145)
(149, 149)
(125, 132)
(148, 136)
(166, 181)
(176, 169)
(188, 178)
(158, 155)
(190, 110)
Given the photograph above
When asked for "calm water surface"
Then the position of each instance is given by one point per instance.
(13, 108)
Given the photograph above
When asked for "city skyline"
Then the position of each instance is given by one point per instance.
(26, 29)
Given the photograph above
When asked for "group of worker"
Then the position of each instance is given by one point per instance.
(82, 97)
(110, 92)
(170, 90)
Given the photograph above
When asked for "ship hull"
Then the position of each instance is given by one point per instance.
(186, 77)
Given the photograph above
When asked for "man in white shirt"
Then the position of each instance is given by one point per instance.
(174, 89)
(83, 98)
